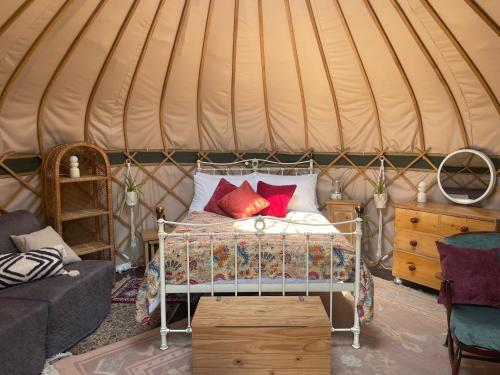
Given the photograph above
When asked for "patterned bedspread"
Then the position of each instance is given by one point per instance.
(247, 245)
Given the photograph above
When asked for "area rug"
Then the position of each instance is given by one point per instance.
(405, 338)
(127, 292)
(118, 325)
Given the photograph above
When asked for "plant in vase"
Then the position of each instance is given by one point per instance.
(380, 193)
(132, 192)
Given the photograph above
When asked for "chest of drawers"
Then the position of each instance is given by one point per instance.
(417, 228)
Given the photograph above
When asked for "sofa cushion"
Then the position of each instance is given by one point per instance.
(30, 266)
(476, 325)
(46, 237)
(475, 275)
(15, 223)
(23, 325)
(77, 305)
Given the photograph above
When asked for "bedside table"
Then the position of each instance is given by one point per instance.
(150, 239)
(343, 210)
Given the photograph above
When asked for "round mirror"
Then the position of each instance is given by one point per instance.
(466, 176)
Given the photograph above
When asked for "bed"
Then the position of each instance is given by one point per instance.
(298, 253)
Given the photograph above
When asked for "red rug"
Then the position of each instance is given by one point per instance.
(126, 293)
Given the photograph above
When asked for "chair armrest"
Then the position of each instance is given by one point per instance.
(440, 276)
(448, 294)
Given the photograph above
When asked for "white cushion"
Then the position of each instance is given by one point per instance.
(46, 237)
(205, 184)
(304, 198)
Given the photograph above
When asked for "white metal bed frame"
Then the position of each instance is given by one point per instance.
(212, 287)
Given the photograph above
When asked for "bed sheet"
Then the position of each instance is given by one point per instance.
(271, 245)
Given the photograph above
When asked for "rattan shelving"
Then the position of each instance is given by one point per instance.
(80, 209)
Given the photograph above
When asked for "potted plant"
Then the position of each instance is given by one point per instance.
(380, 193)
(132, 191)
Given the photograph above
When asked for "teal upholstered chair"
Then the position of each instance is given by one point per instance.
(472, 329)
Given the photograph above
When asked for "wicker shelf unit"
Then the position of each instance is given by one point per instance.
(80, 209)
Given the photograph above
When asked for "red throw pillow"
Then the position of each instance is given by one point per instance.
(243, 202)
(475, 274)
(223, 187)
(277, 196)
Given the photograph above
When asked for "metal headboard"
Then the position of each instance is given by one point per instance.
(257, 165)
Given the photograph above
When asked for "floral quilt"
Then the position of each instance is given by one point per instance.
(247, 247)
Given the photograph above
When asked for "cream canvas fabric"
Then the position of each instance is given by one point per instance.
(250, 75)
(46, 237)
(268, 76)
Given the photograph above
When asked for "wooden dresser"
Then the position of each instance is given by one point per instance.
(419, 225)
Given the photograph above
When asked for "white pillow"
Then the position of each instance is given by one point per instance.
(304, 198)
(46, 237)
(205, 184)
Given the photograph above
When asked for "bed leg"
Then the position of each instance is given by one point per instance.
(163, 303)
(357, 275)
(355, 341)
(163, 334)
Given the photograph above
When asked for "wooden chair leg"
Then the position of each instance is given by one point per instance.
(451, 349)
(456, 362)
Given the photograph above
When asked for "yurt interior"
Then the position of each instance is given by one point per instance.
(265, 187)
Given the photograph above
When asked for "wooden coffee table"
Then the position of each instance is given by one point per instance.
(261, 335)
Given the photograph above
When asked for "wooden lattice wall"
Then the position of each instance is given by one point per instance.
(167, 179)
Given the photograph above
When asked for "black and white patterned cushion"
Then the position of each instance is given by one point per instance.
(18, 268)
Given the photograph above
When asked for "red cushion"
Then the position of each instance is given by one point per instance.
(243, 202)
(475, 274)
(223, 187)
(277, 196)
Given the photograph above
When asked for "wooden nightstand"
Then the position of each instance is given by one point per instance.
(342, 210)
(150, 239)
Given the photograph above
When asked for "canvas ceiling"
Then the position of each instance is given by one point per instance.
(413, 77)
(287, 75)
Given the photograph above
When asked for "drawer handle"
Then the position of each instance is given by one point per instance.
(413, 243)
(414, 220)
(464, 229)
(412, 267)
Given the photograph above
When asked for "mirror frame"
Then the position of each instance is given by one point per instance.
(489, 163)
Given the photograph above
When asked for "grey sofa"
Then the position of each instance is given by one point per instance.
(46, 317)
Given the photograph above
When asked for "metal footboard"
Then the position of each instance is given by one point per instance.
(258, 286)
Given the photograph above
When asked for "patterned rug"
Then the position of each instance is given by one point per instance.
(127, 292)
(406, 337)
